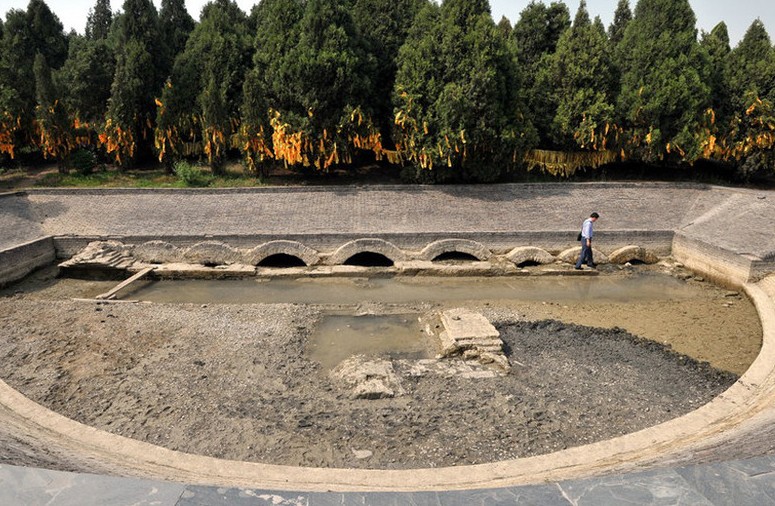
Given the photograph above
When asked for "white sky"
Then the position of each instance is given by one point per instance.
(738, 14)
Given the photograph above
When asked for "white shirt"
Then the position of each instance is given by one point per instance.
(586, 229)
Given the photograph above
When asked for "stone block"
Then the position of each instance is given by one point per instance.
(368, 378)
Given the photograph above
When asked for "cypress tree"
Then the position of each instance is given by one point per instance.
(99, 20)
(751, 66)
(314, 79)
(384, 25)
(25, 34)
(276, 29)
(136, 83)
(583, 79)
(716, 43)
(458, 96)
(86, 78)
(176, 25)
(200, 104)
(622, 18)
(751, 75)
(664, 70)
(537, 33)
(53, 123)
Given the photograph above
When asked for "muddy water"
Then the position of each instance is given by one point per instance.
(338, 337)
(415, 290)
(693, 317)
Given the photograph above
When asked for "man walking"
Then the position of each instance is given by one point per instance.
(587, 231)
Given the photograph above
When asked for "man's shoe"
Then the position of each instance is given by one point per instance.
(578, 268)
(593, 266)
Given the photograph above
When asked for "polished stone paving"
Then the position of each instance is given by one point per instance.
(737, 483)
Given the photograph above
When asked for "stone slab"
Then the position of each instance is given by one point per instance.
(464, 325)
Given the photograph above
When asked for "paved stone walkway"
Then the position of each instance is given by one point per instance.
(739, 483)
(698, 211)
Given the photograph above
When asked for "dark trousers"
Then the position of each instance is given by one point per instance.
(586, 254)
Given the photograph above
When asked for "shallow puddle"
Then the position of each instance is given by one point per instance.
(337, 338)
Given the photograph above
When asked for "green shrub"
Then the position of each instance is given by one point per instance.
(191, 175)
(83, 161)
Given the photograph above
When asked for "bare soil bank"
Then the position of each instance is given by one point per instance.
(235, 381)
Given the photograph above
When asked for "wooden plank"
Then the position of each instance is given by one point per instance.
(112, 293)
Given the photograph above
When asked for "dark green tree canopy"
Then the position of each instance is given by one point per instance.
(716, 43)
(622, 18)
(539, 29)
(175, 24)
(384, 26)
(752, 66)
(86, 78)
(458, 94)
(664, 74)
(582, 77)
(99, 20)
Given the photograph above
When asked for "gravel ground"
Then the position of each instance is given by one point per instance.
(235, 382)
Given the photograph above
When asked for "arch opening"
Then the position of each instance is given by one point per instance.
(369, 259)
(282, 261)
(529, 263)
(455, 256)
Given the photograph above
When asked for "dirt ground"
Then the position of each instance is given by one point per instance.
(236, 382)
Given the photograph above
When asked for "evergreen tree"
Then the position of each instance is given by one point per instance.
(716, 43)
(176, 25)
(136, 83)
(622, 18)
(536, 33)
(752, 66)
(538, 30)
(25, 34)
(201, 102)
(458, 95)
(384, 25)
(326, 66)
(751, 78)
(99, 20)
(86, 78)
(582, 76)
(664, 70)
(277, 27)
(53, 123)
(46, 33)
(312, 73)
(505, 26)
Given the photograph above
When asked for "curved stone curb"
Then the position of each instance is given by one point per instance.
(630, 253)
(738, 414)
(211, 253)
(157, 252)
(530, 254)
(473, 248)
(344, 252)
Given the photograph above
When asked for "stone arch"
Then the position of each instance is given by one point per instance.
(292, 248)
(529, 254)
(157, 252)
(379, 246)
(632, 253)
(473, 248)
(212, 253)
(572, 255)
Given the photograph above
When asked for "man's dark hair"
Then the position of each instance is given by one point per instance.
(594, 215)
